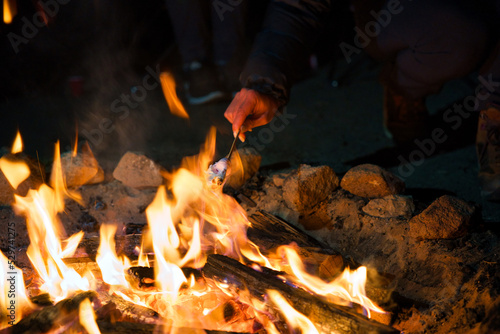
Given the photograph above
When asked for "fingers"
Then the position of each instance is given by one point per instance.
(241, 107)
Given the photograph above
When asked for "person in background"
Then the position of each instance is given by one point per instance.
(210, 37)
(423, 44)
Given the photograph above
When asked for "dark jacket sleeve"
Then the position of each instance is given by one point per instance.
(289, 31)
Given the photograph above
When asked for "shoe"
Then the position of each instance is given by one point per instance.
(404, 119)
(202, 84)
(488, 153)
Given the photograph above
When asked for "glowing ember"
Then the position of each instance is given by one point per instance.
(174, 104)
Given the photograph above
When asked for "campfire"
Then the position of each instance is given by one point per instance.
(193, 268)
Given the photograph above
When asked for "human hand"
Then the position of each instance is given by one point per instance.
(250, 109)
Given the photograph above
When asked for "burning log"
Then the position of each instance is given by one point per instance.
(328, 318)
(126, 244)
(273, 231)
(128, 310)
(126, 328)
(45, 319)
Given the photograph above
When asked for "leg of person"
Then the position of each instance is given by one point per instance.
(229, 22)
(424, 44)
(190, 20)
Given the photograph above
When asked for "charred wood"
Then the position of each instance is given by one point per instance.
(45, 319)
(328, 318)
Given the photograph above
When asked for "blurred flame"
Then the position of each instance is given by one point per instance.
(9, 10)
(295, 319)
(87, 317)
(112, 268)
(13, 301)
(75, 146)
(17, 146)
(346, 288)
(174, 104)
(14, 171)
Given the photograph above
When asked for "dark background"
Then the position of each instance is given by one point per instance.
(110, 44)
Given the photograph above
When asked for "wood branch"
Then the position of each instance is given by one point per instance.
(126, 328)
(133, 328)
(270, 231)
(126, 310)
(45, 319)
(125, 244)
(328, 318)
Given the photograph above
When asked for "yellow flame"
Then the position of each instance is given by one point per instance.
(295, 319)
(58, 183)
(15, 171)
(9, 10)
(45, 250)
(112, 268)
(13, 300)
(17, 146)
(41, 208)
(174, 104)
(87, 317)
(165, 242)
(347, 288)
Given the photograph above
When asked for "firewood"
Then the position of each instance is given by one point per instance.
(327, 317)
(126, 328)
(45, 319)
(274, 231)
(125, 245)
(130, 311)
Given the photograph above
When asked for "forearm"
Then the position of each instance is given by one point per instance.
(288, 34)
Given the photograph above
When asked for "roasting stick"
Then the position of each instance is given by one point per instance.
(228, 157)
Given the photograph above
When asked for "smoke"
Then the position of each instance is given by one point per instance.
(120, 111)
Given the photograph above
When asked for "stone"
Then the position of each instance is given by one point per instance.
(244, 167)
(371, 181)
(81, 168)
(446, 218)
(279, 179)
(390, 206)
(33, 181)
(138, 171)
(307, 186)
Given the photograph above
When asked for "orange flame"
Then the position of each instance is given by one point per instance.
(112, 268)
(174, 104)
(9, 10)
(13, 299)
(17, 146)
(348, 288)
(295, 319)
(41, 207)
(87, 317)
(14, 171)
